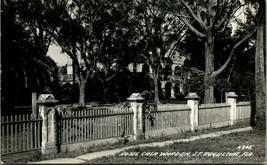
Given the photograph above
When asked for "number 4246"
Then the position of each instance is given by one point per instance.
(245, 147)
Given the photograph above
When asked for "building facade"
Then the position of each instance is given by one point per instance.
(171, 83)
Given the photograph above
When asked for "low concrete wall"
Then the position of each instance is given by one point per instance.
(94, 143)
(167, 131)
(214, 125)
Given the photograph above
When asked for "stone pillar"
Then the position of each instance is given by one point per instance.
(231, 99)
(163, 84)
(173, 90)
(136, 103)
(193, 101)
(173, 68)
(181, 88)
(46, 105)
(139, 68)
(34, 105)
(131, 67)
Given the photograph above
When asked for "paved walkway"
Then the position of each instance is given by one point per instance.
(90, 156)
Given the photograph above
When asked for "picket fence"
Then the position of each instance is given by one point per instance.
(95, 124)
(21, 133)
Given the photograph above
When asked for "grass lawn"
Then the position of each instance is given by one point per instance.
(226, 143)
(237, 148)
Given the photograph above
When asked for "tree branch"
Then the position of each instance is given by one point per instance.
(228, 14)
(182, 18)
(248, 36)
(198, 33)
(199, 20)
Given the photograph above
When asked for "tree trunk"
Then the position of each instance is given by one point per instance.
(260, 81)
(209, 91)
(209, 68)
(106, 84)
(82, 92)
(156, 89)
(106, 92)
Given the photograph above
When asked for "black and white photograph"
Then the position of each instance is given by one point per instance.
(133, 82)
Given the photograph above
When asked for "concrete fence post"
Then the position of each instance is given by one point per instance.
(231, 99)
(46, 105)
(193, 101)
(136, 104)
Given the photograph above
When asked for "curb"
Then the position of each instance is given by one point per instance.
(90, 156)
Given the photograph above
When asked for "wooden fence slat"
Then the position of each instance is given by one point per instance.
(39, 133)
(4, 141)
(97, 125)
(115, 125)
(27, 132)
(93, 127)
(74, 128)
(34, 134)
(87, 128)
(101, 124)
(78, 127)
(8, 135)
(68, 130)
(108, 126)
(82, 128)
(20, 132)
(24, 132)
(66, 133)
(2, 137)
(90, 127)
(11, 135)
(16, 134)
(63, 133)
(31, 131)
(71, 129)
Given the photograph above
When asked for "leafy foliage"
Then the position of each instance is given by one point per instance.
(25, 66)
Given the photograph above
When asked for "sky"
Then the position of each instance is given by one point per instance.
(55, 53)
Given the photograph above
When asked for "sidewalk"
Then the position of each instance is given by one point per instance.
(90, 156)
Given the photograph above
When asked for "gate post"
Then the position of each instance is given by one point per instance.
(231, 99)
(46, 105)
(193, 101)
(136, 103)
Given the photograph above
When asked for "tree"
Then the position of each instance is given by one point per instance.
(158, 34)
(260, 70)
(116, 51)
(210, 18)
(26, 67)
(85, 31)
